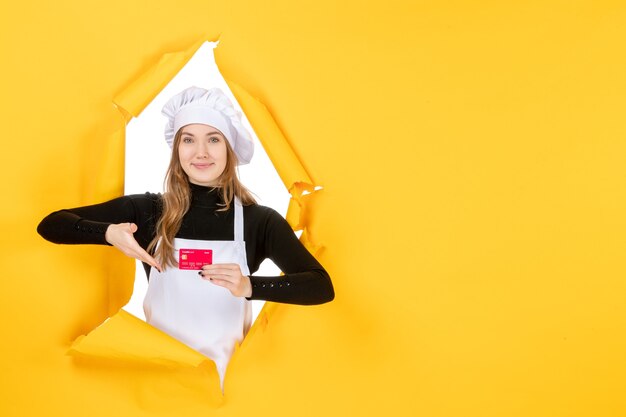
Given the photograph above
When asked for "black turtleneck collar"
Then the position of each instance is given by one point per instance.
(205, 196)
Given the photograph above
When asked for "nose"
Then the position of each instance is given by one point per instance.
(202, 151)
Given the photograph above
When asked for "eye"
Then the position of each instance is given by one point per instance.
(187, 139)
(214, 139)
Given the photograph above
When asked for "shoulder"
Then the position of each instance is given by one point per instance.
(260, 212)
(147, 202)
(265, 219)
(145, 198)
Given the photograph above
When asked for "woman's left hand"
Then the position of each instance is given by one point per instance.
(228, 276)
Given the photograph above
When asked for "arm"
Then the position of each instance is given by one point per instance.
(88, 224)
(304, 282)
(114, 222)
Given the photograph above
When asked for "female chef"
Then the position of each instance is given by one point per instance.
(201, 240)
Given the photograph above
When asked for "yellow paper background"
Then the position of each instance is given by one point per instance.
(471, 155)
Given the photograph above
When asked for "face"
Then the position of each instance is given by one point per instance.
(202, 154)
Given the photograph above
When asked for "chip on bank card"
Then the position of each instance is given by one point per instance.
(194, 258)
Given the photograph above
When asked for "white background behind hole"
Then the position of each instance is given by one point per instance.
(147, 158)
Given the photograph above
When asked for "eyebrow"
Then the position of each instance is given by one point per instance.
(217, 132)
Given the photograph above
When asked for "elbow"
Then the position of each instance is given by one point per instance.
(330, 296)
(327, 291)
(313, 289)
(48, 228)
(330, 292)
(43, 230)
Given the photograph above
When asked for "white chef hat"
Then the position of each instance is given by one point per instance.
(209, 107)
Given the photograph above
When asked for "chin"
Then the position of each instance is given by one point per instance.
(204, 183)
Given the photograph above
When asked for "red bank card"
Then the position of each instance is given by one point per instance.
(194, 258)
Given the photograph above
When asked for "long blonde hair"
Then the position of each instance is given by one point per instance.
(177, 199)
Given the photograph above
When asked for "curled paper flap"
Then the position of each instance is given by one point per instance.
(103, 168)
(126, 338)
(134, 98)
(283, 157)
(285, 160)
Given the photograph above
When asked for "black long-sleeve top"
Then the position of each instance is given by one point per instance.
(266, 233)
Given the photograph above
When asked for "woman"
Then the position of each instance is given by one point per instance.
(201, 239)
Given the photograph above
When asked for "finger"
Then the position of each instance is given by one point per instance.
(210, 275)
(205, 277)
(144, 256)
(137, 252)
(222, 273)
(225, 272)
(221, 266)
(153, 262)
(226, 284)
(217, 277)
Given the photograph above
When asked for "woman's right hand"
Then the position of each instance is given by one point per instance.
(121, 236)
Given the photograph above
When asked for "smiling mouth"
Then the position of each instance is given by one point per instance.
(202, 166)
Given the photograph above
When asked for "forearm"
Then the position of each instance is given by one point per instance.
(304, 282)
(305, 288)
(87, 224)
(68, 228)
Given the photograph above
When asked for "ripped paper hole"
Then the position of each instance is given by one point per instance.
(125, 337)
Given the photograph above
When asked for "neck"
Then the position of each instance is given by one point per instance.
(205, 196)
